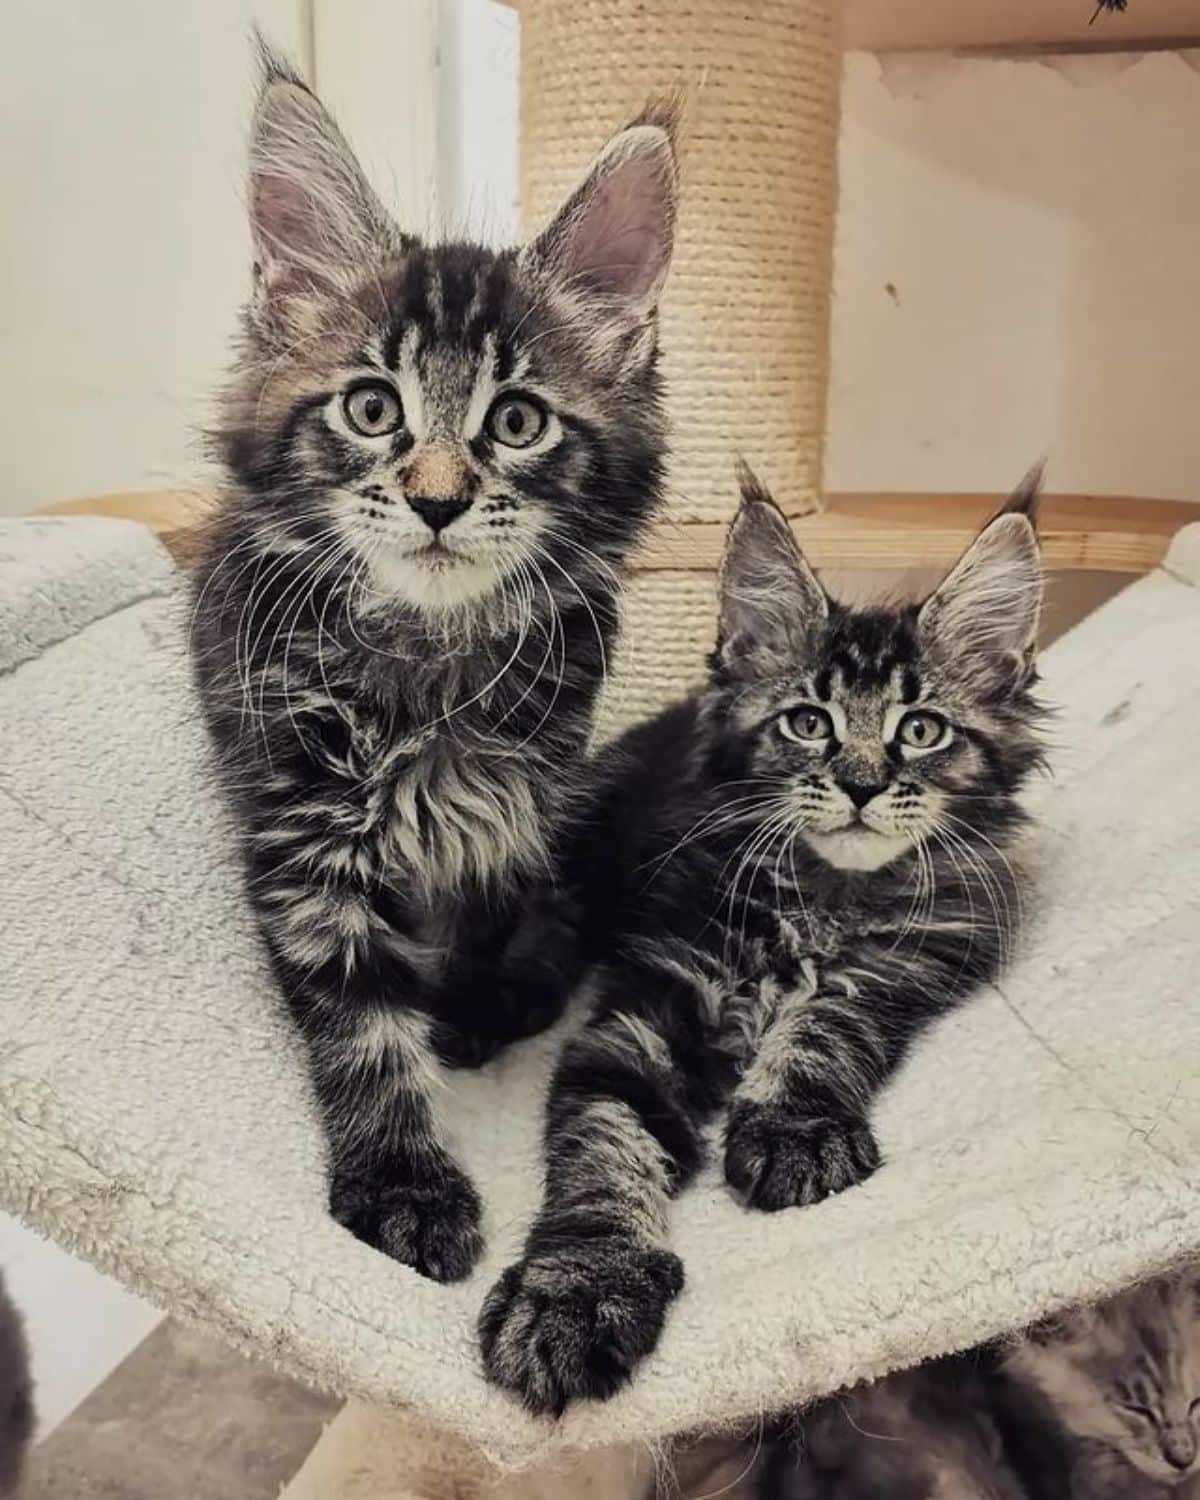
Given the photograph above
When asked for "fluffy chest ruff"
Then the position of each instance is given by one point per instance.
(457, 819)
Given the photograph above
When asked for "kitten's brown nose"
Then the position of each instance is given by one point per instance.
(437, 487)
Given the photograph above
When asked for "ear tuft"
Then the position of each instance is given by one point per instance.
(314, 216)
(612, 239)
(770, 600)
(983, 617)
(1024, 500)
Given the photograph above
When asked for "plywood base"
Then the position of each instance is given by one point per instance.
(1092, 533)
(1080, 533)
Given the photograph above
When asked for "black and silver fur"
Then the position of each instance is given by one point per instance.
(793, 873)
(16, 1397)
(437, 459)
(1098, 1402)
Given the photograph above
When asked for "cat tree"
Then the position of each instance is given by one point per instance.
(1044, 1151)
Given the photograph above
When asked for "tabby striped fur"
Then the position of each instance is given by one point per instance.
(777, 920)
(400, 629)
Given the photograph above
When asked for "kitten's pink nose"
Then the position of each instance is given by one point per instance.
(1179, 1447)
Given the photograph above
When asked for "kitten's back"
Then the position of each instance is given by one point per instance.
(925, 1434)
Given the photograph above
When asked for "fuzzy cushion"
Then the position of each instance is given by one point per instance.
(1042, 1145)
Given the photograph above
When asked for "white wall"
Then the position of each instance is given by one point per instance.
(124, 248)
(1037, 222)
(80, 1324)
(479, 112)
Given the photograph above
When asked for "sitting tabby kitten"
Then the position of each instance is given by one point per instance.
(436, 458)
(1117, 1387)
(802, 866)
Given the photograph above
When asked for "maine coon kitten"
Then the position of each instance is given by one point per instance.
(437, 457)
(16, 1397)
(798, 869)
(1116, 1387)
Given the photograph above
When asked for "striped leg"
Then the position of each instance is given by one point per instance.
(798, 1129)
(355, 976)
(589, 1296)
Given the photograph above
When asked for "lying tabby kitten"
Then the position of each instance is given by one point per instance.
(802, 866)
(1116, 1388)
(436, 457)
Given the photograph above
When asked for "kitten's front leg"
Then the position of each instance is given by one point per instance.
(587, 1300)
(353, 974)
(393, 1183)
(798, 1129)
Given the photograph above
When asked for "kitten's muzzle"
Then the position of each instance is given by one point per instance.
(438, 486)
(437, 511)
(1179, 1448)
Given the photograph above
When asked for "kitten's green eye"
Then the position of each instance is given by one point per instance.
(516, 421)
(923, 731)
(807, 725)
(373, 408)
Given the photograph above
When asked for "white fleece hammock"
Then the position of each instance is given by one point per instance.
(1042, 1145)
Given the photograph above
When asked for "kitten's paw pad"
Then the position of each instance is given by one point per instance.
(778, 1159)
(430, 1223)
(574, 1323)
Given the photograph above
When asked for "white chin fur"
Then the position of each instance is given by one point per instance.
(447, 584)
(857, 848)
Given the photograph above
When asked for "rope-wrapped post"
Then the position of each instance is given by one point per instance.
(745, 326)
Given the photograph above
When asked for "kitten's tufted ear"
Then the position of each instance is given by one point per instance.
(612, 239)
(770, 600)
(984, 615)
(313, 215)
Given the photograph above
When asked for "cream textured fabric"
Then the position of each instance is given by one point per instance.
(746, 317)
(1042, 1145)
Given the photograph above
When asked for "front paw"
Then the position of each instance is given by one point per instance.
(563, 1324)
(778, 1158)
(426, 1217)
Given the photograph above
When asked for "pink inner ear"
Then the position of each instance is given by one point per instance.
(280, 230)
(620, 244)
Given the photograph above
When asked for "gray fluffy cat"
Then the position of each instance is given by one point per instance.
(1100, 1403)
(1120, 1382)
(16, 1397)
(925, 1434)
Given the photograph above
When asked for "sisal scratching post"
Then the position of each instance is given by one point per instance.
(745, 328)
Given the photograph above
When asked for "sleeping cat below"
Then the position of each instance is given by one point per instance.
(1098, 1403)
(792, 873)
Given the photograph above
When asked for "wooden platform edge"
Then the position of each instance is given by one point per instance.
(1080, 533)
